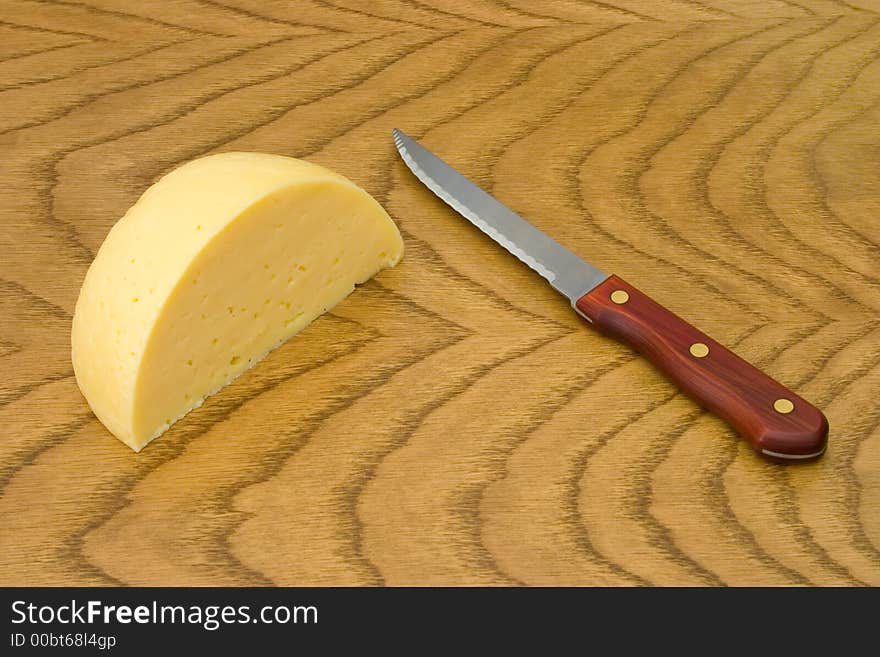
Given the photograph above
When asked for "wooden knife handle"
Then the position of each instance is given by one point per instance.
(777, 423)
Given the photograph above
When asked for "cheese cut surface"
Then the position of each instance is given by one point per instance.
(217, 263)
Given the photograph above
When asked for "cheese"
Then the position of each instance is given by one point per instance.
(217, 263)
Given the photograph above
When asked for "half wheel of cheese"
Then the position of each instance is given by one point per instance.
(217, 263)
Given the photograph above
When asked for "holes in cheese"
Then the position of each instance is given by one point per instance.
(217, 263)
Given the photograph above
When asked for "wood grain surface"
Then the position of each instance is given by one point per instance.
(453, 421)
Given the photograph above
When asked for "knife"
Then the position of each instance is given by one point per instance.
(776, 422)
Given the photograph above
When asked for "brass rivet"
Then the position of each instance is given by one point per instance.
(783, 406)
(619, 296)
(699, 350)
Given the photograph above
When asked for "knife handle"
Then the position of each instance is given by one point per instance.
(777, 423)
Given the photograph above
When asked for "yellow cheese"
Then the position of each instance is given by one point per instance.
(219, 262)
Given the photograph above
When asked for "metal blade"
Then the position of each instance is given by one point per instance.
(565, 271)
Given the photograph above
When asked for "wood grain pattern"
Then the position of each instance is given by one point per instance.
(454, 422)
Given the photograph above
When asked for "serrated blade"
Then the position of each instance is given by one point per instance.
(565, 271)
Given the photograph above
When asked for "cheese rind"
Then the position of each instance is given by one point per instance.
(217, 263)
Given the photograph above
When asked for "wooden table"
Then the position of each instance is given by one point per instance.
(453, 422)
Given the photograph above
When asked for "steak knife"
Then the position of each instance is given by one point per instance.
(776, 422)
